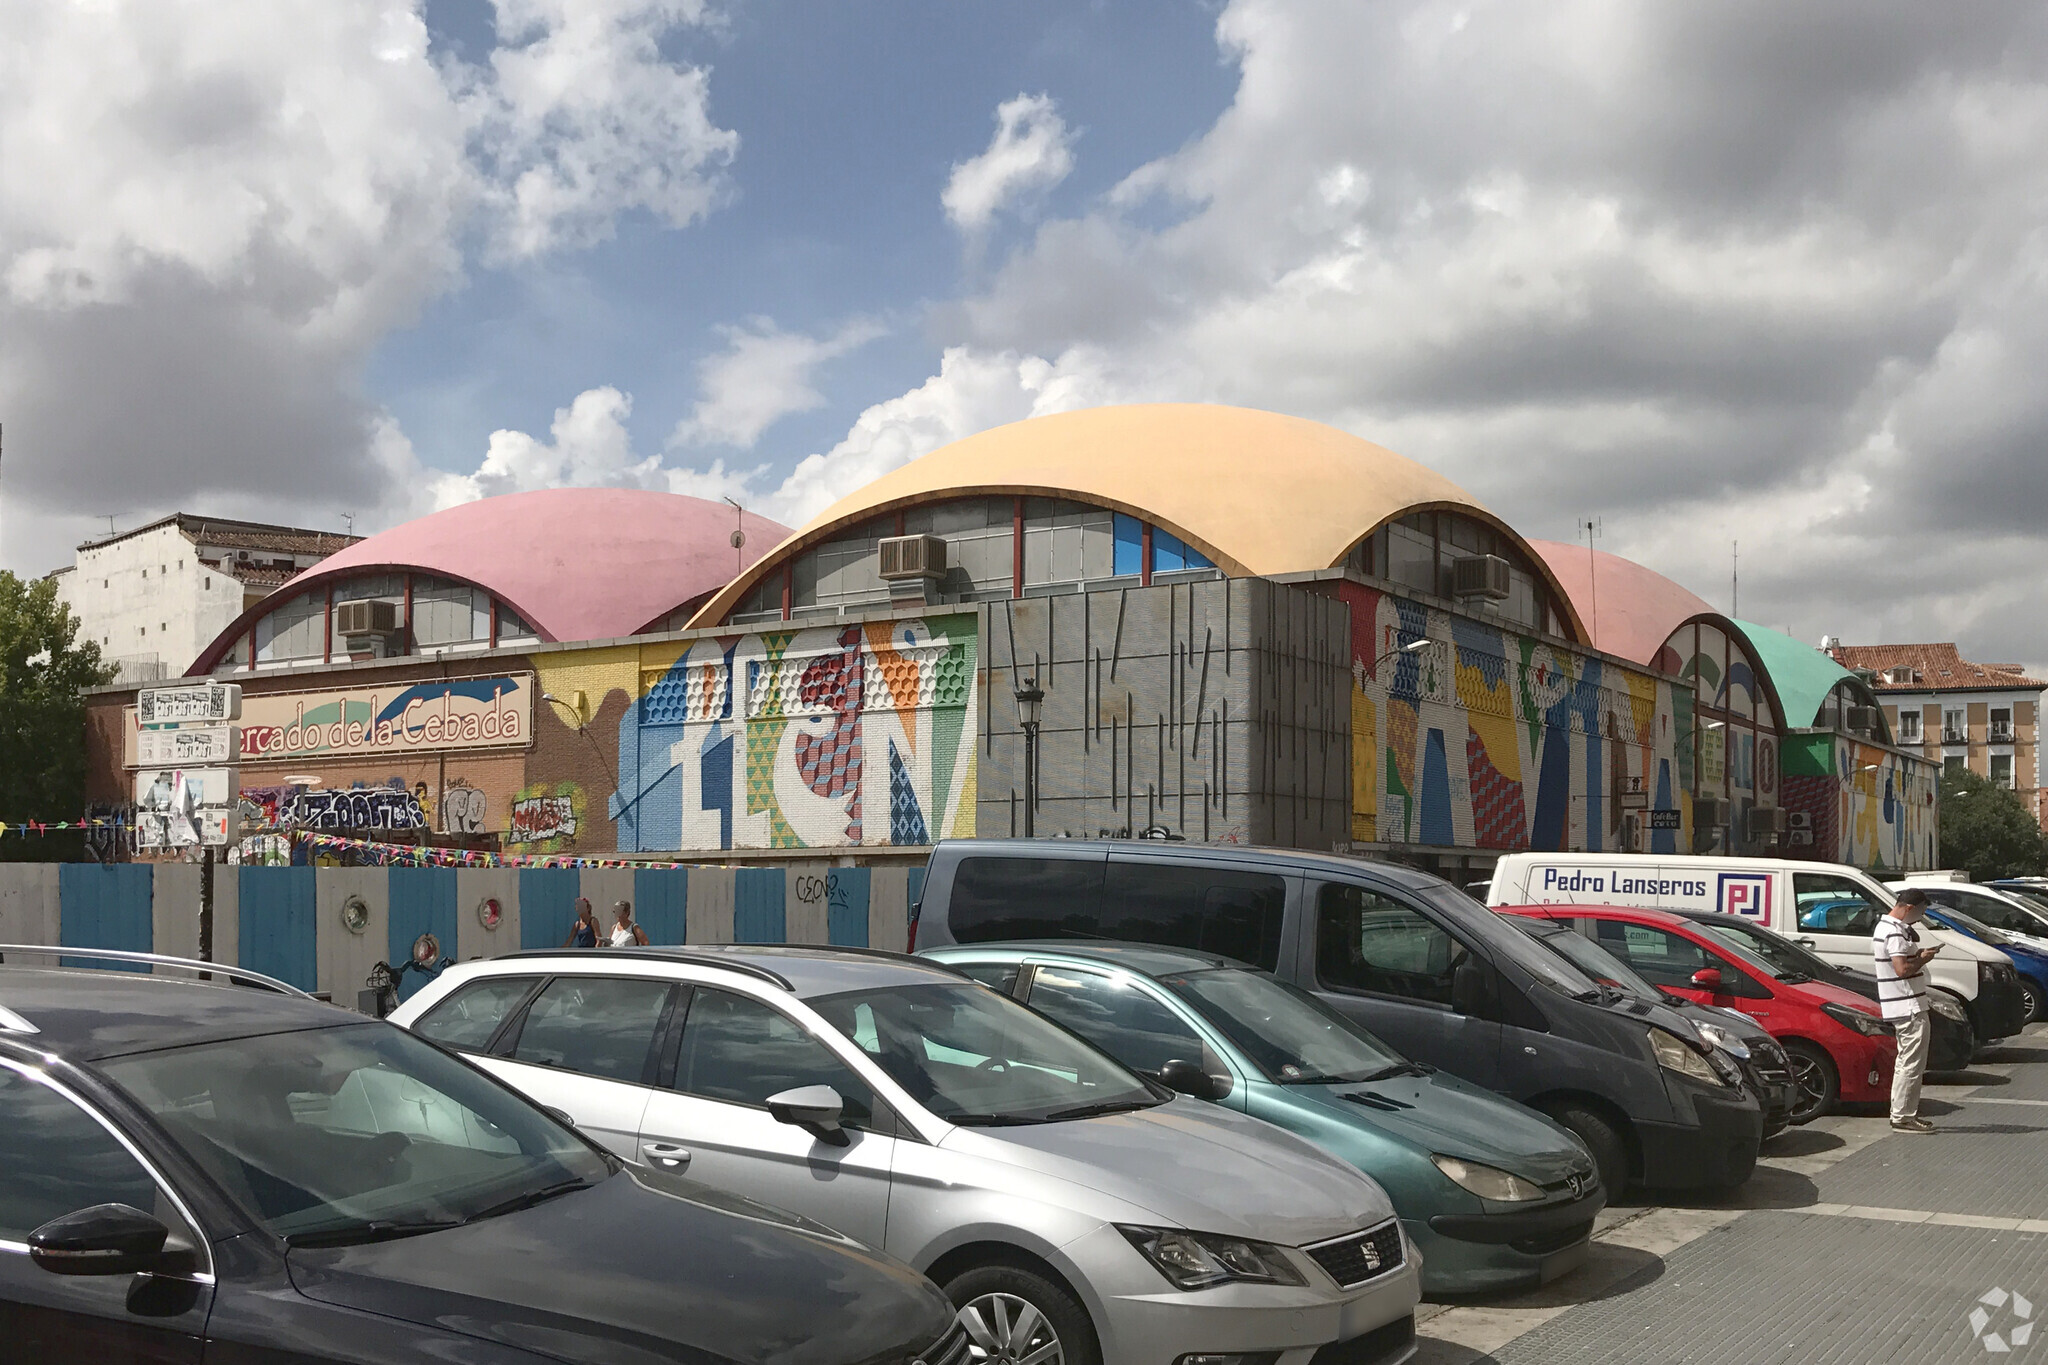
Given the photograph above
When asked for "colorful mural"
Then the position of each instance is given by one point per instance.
(1478, 737)
(802, 738)
(1865, 805)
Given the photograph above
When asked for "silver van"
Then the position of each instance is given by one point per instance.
(1073, 1211)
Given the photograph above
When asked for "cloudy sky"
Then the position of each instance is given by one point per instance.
(1749, 271)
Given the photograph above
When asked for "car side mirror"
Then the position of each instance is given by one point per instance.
(814, 1108)
(1188, 1078)
(106, 1239)
(1707, 978)
(1471, 987)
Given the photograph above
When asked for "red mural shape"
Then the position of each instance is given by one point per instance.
(830, 763)
(1499, 819)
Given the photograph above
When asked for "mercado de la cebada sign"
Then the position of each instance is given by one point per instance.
(445, 714)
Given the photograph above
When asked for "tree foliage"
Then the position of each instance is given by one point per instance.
(44, 672)
(1987, 830)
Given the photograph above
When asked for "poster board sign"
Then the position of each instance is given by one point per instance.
(1666, 819)
(204, 704)
(382, 719)
(185, 807)
(188, 746)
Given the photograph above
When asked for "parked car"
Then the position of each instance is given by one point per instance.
(1071, 1209)
(1494, 1194)
(1764, 1064)
(1833, 905)
(2007, 910)
(1839, 1045)
(2029, 956)
(195, 1169)
(1413, 959)
(2029, 893)
(1951, 1041)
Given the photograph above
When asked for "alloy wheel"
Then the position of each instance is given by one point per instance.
(2030, 1001)
(1812, 1082)
(1006, 1330)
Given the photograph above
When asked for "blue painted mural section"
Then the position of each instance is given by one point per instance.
(279, 918)
(661, 904)
(547, 905)
(105, 907)
(422, 902)
(906, 817)
(846, 907)
(757, 905)
(1436, 793)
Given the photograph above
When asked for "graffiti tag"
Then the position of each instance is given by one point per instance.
(537, 819)
(463, 810)
(354, 808)
(810, 890)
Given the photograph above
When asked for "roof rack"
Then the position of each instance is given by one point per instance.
(240, 974)
(752, 969)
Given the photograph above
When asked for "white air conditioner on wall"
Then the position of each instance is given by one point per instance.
(911, 557)
(1480, 576)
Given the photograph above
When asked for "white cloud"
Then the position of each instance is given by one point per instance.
(762, 376)
(1031, 152)
(214, 210)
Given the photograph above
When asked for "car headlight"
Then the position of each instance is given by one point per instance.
(1947, 1008)
(1196, 1260)
(1848, 1016)
(1723, 1039)
(1488, 1182)
(1675, 1054)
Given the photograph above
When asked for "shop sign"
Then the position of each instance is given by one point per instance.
(1665, 819)
(207, 703)
(384, 719)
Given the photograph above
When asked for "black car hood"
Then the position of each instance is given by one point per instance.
(644, 1267)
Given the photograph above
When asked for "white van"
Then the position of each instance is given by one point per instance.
(1830, 907)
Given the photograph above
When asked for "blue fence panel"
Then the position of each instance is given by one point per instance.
(278, 914)
(422, 902)
(105, 907)
(846, 907)
(661, 903)
(547, 905)
(757, 905)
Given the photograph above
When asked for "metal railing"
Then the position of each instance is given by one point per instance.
(239, 974)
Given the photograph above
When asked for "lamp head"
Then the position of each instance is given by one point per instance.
(1030, 701)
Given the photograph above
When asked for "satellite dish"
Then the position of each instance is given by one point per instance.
(739, 539)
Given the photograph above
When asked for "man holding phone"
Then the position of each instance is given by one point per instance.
(1902, 997)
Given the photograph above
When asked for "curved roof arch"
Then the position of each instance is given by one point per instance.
(575, 563)
(1256, 492)
(1629, 610)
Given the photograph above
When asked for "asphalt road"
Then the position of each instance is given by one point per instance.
(1850, 1244)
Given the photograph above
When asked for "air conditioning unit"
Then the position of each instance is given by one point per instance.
(1797, 820)
(1766, 822)
(912, 557)
(1480, 576)
(1708, 812)
(1799, 838)
(1863, 719)
(365, 617)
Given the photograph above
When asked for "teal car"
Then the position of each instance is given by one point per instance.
(1494, 1194)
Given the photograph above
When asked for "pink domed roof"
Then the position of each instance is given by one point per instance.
(1637, 608)
(576, 563)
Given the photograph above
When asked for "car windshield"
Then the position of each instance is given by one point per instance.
(1589, 957)
(1971, 925)
(1782, 955)
(1294, 1038)
(1548, 968)
(972, 1056)
(2035, 903)
(357, 1132)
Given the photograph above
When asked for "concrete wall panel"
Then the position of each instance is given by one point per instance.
(711, 905)
(473, 886)
(174, 909)
(807, 918)
(29, 904)
(346, 958)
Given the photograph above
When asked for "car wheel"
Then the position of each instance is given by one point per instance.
(1817, 1086)
(2030, 1000)
(1013, 1315)
(1603, 1140)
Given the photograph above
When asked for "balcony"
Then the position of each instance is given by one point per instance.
(1953, 736)
(1999, 734)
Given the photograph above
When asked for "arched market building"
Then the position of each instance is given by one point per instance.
(1243, 627)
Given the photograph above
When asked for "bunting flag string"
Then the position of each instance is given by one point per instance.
(421, 855)
(37, 827)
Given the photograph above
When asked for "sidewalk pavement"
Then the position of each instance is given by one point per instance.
(1850, 1244)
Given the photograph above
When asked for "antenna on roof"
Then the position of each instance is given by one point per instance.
(350, 518)
(1593, 529)
(111, 532)
(1735, 579)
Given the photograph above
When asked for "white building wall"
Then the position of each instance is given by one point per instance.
(147, 599)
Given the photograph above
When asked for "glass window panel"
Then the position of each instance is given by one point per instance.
(1236, 914)
(1117, 1016)
(1411, 558)
(1367, 942)
(597, 1025)
(1130, 544)
(741, 1051)
(999, 898)
(56, 1159)
(468, 1018)
(294, 630)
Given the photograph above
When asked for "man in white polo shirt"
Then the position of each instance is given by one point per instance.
(1902, 997)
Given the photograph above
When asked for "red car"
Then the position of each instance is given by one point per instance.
(1840, 1048)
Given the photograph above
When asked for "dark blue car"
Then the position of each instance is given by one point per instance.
(2030, 962)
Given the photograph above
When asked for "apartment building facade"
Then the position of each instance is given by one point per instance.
(153, 597)
(1984, 717)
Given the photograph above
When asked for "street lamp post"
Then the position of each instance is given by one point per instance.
(1421, 642)
(1030, 703)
